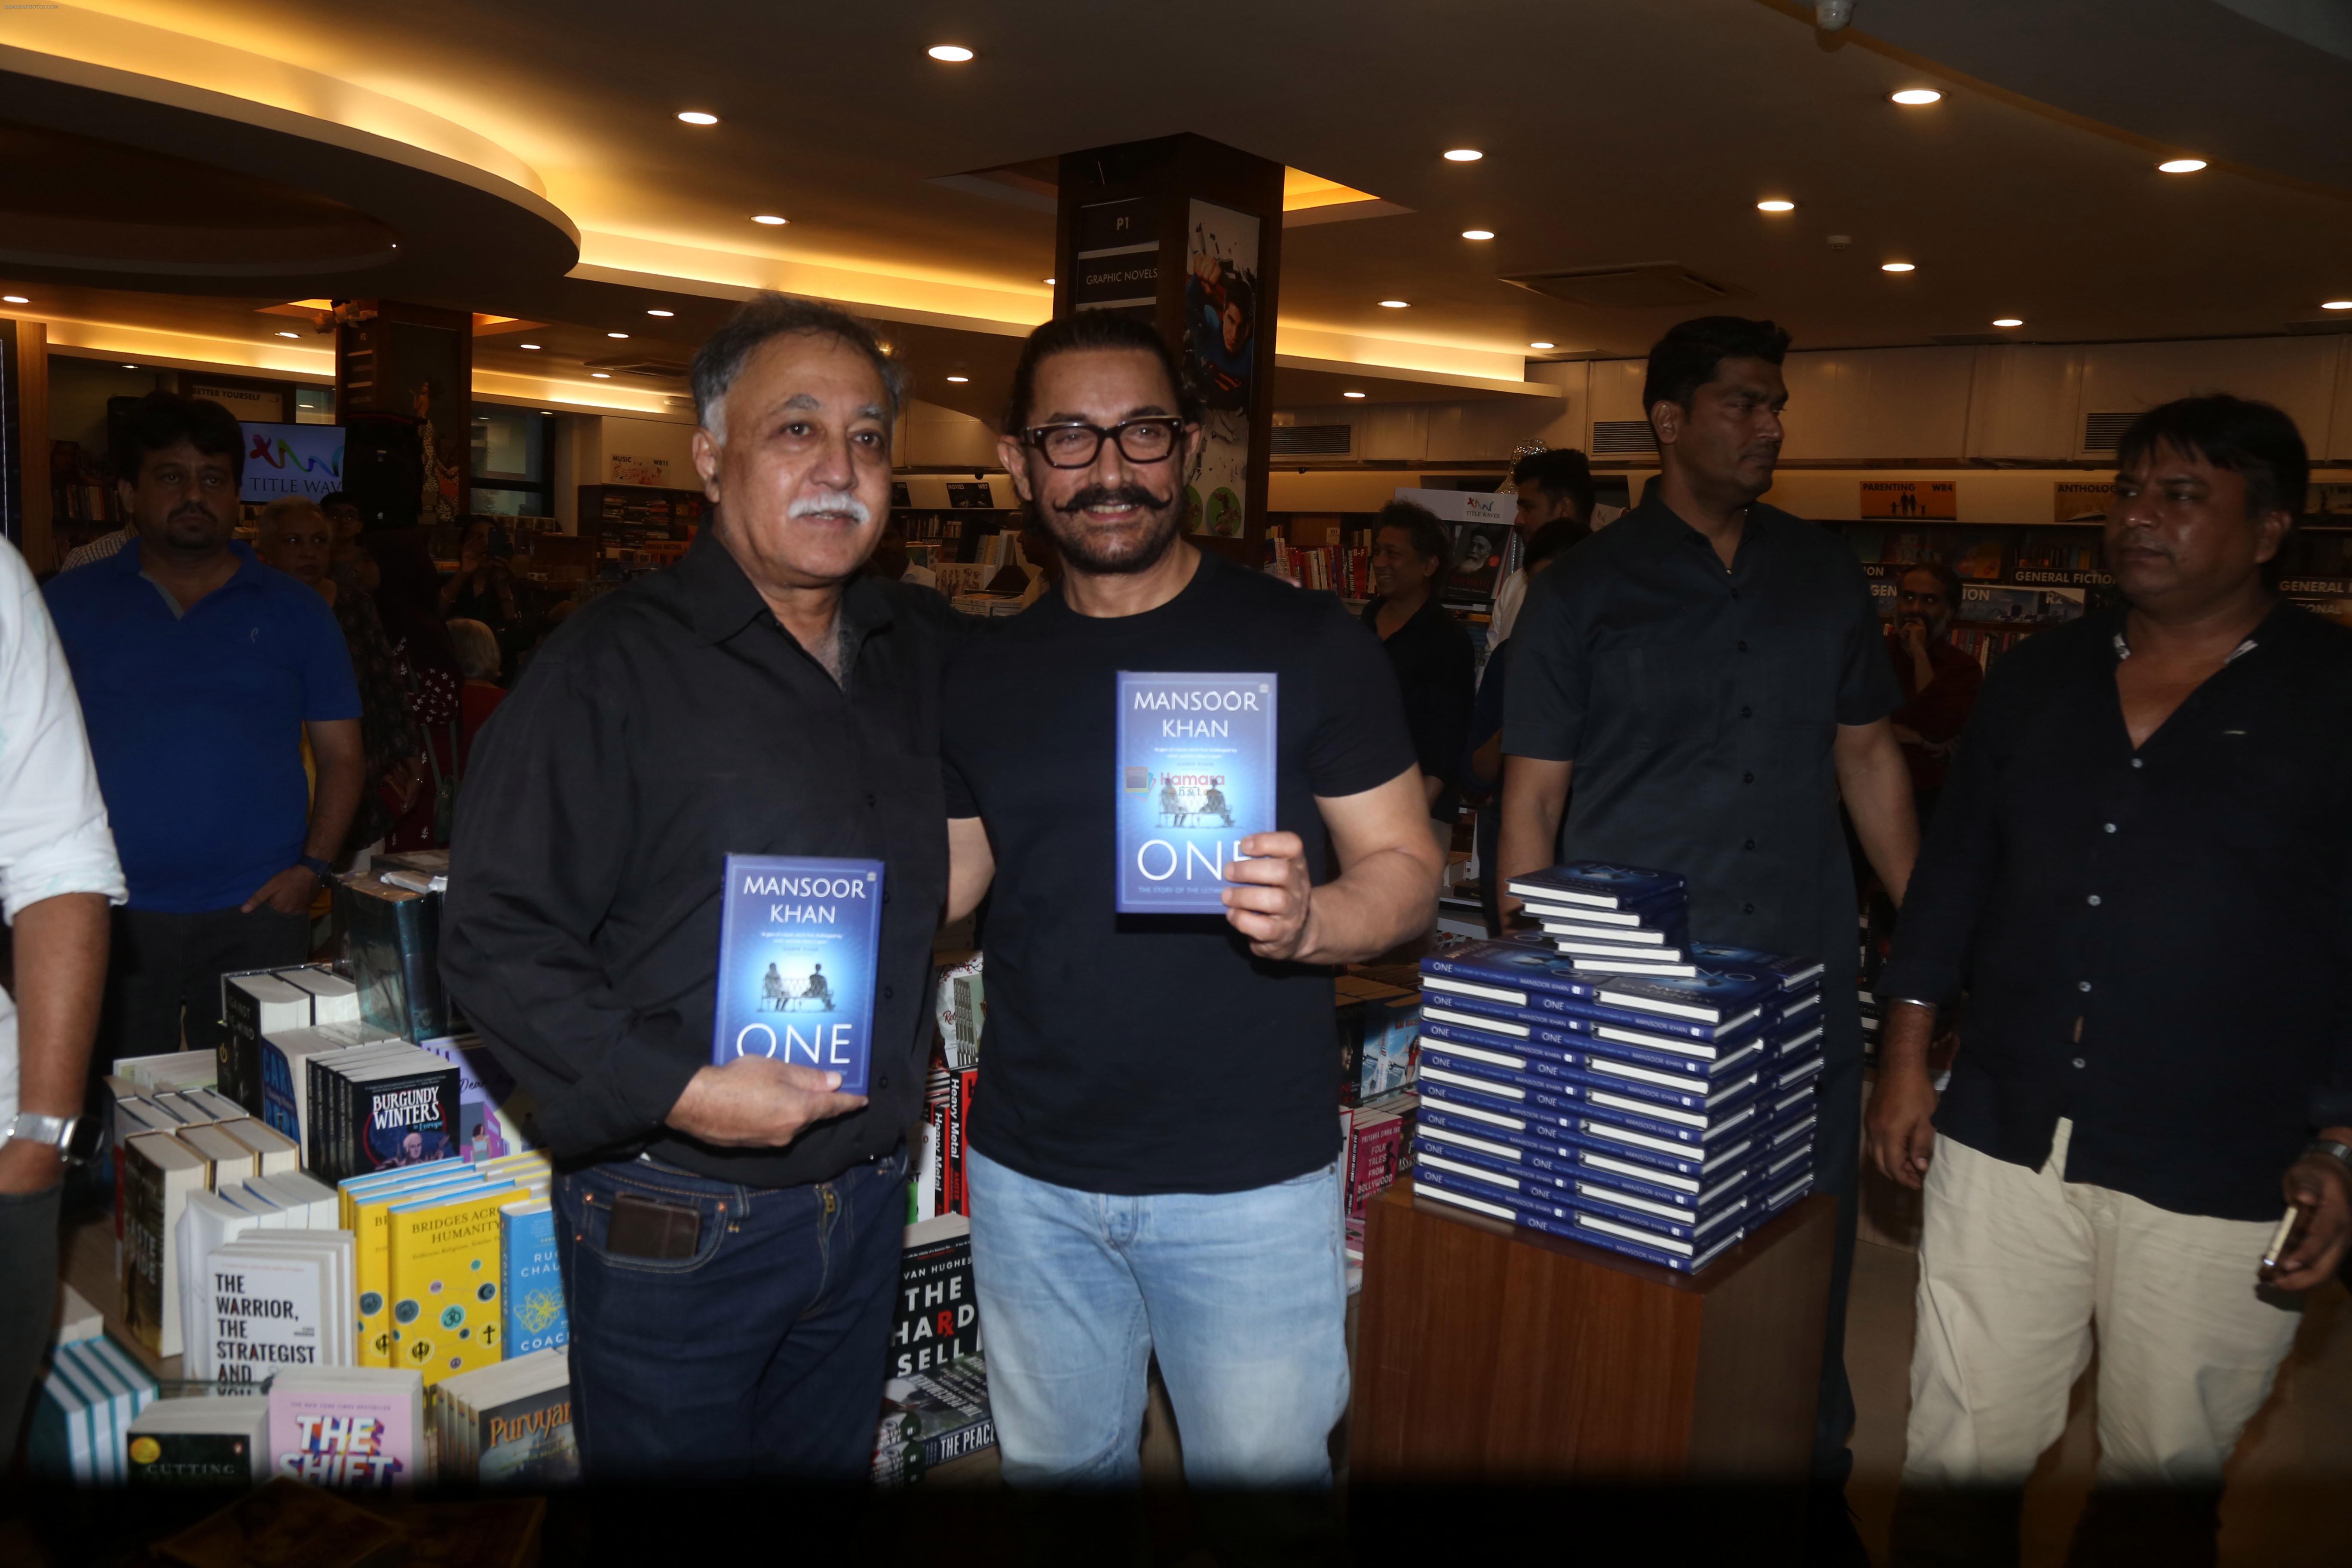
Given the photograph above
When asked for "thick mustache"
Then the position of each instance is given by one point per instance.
(1111, 495)
(831, 503)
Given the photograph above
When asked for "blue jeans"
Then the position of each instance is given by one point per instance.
(763, 1354)
(1244, 1296)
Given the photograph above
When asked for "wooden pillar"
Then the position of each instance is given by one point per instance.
(415, 363)
(1137, 222)
(24, 440)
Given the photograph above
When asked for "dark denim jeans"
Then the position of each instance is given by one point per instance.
(763, 1354)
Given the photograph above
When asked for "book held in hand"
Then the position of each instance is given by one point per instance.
(1196, 776)
(797, 944)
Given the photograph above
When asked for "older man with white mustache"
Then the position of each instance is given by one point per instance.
(729, 1236)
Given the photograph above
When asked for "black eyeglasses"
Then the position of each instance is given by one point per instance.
(1150, 439)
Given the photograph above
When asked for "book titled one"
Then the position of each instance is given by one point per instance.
(798, 944)
(1196, 776)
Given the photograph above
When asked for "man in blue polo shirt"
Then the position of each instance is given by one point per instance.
(200, 672)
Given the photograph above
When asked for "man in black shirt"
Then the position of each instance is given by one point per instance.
(2141, 868)
(1114, 1218)
(1712, 670)
(729, 1236)
(1436, 668)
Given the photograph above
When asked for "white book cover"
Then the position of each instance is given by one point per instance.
(267, 1310)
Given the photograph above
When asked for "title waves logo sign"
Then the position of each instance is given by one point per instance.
(291, 460)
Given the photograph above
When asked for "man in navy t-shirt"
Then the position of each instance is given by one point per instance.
(1111, 1219)
(200, 671)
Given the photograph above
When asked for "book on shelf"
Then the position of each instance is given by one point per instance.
(1599, 885)
(509, 1424)
(444, 1268)
(252, 1005)
(158, 1172)
(362, 1428)
(392, 948)
(221, 1440)
(533, 1301)
(381, 1106)
(1195, 777)
(82, 1414)
(1378, 1025)
(797, 944)
(495, 1115)
(937, 1315)
(930, 1417)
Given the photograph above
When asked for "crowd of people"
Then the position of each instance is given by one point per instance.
(2135, 866)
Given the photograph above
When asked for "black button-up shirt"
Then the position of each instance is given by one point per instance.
(666, 727)
(1437, 669)
(2154, 940)
(1700, 707)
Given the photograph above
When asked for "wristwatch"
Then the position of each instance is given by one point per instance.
(2328, 1147)
(320, 869)
(74, 1137)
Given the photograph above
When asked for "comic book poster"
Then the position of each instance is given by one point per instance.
(1221, 329)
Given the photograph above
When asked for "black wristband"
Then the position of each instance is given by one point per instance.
(2328, 1148)
(317, 867)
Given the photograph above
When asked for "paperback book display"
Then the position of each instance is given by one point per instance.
(1662, 1116)
(796, 964)
(935, 1405)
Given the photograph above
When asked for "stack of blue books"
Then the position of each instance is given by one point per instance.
(1663, 1117)
(1612, 920)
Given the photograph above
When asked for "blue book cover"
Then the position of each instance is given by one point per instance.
(1724, 1000)
(1470, 1095)
(1512, 967)
(797, 954)
(1520, 1046)
(1599, 885)
(1716, 958)
(1582, 1016)
(1196, 776)
(535, 1314)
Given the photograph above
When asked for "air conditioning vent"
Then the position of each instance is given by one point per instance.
(1313, 440)
(1621, 436)
(1648, 285)
(2104, 432)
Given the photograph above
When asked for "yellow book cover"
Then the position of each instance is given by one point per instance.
(444, 1281)
(371, 1261)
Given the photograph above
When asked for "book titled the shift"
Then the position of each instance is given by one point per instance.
(1196, 776)
(797, 955)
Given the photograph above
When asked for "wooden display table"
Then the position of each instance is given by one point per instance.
(1489, 1352)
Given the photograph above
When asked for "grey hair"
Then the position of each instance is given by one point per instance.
(764, 316)
(478, 649)
(285, 507)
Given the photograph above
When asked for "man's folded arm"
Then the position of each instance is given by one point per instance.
(544, 833)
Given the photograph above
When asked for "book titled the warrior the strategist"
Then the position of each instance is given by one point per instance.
(1196, 767)
(797, 939)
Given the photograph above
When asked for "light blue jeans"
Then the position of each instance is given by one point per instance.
(1244, 1296)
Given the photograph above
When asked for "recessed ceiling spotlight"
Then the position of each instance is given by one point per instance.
(2336, 304)
(1896, 266)
(547, 410)
(1912, 97)
(1775, 204)
(2008, 321)
(15, 299)
(768, 218)
(953, 54)
(130, 367)
(2180, 165)
(289, 334)
(1477, 234)
(1543, 345)
(602, 374)
(661, 312)
(1392, 304)
(617, 334)
(960, 380)
(1049, 282)
(526, 345)
(1463, 155)
(698, 117)
(1352, 395)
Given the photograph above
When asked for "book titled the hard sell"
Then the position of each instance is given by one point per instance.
(798, 940)
(1196, 776)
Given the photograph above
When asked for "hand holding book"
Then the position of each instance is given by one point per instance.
(758, 1103)
(1271, 896)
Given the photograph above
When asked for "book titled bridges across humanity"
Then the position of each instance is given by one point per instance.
(1196, 770)
(797, 940)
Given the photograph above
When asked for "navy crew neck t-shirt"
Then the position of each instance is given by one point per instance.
(1152, 1054)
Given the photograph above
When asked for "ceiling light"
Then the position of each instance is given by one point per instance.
(959, 380)
(1352, 395)
(1463, 155)
(617, 334)
(954, 53)
(1049, 282)
(1896, 266)
(1543, 345)
(2008, 321)
(130, 367)
(548, 411)
(1392, 304)
(768, 218)
(1775, 204)
(1477, 234)
(2336, 304)
(289, 334)
(15, 299)
(602, 374)
(661, 312)
(1912, 97)
(2180, 165)
(696, 117)
(526, 345)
